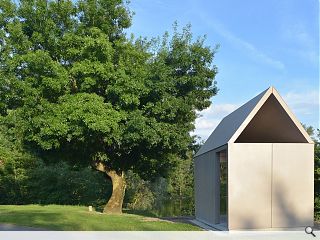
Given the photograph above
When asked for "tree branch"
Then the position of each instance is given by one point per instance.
(100, 167)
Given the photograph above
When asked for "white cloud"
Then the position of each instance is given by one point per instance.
(211, 117)
(303, 103)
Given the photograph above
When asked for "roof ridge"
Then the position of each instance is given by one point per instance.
(232, 125)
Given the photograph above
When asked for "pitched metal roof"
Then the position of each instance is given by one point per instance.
(233, 124)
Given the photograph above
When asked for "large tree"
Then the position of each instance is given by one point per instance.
(71, 81)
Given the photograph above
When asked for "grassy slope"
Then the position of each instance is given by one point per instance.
(75, 218)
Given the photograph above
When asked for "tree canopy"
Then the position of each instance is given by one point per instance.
(71, 81)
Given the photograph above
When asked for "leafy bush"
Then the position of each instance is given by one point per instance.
(14, 165)
(52, 184)
(181, 181)
(13, 181)
(170, 196)
(317, 208)
(61, 184)
(138, 194)
(161, 190)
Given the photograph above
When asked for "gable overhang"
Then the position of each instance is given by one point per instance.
(228, 126)
(268, 93)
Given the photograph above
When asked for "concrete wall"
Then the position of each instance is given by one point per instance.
(270, 185)
(206, 188)
(292, 185)
(249, 182)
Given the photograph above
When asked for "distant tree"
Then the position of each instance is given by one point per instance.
(72, 82)
(315, 135)
(182, 181)
(310, 130)
(14, 165)
(185, 177)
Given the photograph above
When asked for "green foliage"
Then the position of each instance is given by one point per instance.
(14, 165)
(21, 183)
(138, 195)
(74, 88)
(317, 208)
(181, 185)
(161, 191)
(70, 80)
(24, 178)
(60, 184)
(181, 177)
(13, 182)
(315, 135)
(171, 196)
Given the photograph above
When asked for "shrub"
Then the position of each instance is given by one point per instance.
(21, 183)
(62, 184)
(138, 193)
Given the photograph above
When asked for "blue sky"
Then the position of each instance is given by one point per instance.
(262, 43)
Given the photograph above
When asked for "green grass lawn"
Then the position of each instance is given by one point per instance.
(77, 218)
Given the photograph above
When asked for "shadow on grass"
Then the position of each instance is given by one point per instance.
(73, 218)
(143, 213)
(38, 218)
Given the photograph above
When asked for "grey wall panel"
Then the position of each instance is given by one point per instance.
(205, 188)
(292, 185)
(249, 182)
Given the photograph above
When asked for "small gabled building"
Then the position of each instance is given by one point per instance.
(256, 170)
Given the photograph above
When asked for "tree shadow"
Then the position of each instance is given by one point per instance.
(291, 215)
(143, 213)
(38, 219)
(286, 213)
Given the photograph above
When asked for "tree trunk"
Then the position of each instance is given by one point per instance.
(114, 205)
